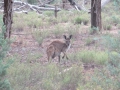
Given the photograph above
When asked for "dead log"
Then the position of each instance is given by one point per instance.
(21, 6)
(31, 7)
(73, 3)
(78, 7)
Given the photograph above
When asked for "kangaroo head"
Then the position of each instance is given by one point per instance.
(67, 39)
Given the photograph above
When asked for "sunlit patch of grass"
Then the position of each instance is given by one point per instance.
(22, 21)
(82, 19)
(88, 57)
(93, 57)
(38, 76)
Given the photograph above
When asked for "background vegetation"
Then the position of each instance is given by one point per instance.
(93, 59)
(4, 64)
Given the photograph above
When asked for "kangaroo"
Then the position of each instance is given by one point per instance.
(57, 47)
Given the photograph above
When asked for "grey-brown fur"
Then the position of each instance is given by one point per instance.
(57, 47)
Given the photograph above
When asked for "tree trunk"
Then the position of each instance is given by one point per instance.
(7, 18)
(95, 15)
(98, 14)
(64, 3)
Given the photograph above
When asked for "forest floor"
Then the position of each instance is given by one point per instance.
(88, 54)
(24, 44)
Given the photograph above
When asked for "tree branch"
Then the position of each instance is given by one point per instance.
(32, 7)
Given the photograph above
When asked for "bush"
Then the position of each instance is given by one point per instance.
(58, 30)
(39, 36)
(107, 26)
(113, 45)
(4, 83)
(90, 41)
(71, 79)
(90, 57)
(94, 30)
(107, 78)
(115, 19)
(78, 20)
(82, 19)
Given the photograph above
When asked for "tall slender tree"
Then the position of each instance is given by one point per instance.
(7, 17)
(95, 15)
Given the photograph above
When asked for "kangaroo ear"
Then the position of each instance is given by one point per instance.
(70, 36)
(64, 36)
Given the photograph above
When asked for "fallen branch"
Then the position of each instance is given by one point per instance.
(78, 7)
(47, 5)
(83, 6)
(65, 70)
(31, 7)
(26, 12)
(73, 3)
(48, 2)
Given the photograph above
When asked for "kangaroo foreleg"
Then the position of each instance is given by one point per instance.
(65, 55)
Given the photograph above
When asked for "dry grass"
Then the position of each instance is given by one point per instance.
(31, 71)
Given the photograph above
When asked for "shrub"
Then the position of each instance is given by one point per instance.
(90, 57)
(40, 35)
(48, 13)
(107, 26)
(94, 30)
(85, 21)
(71, 79)
(89, 41)
(58, 30)
(113, 44)
(93, 57)
(82, 19)
(19, 26)
(73, 30)
(4, 83)
(63, 16)
(78, 20)
(115, 19)
(107, 78)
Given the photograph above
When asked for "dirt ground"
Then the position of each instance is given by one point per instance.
(24, 43)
